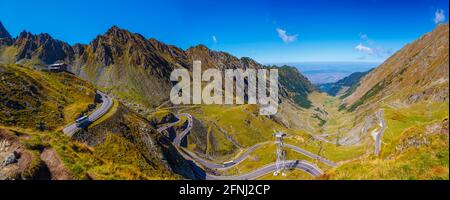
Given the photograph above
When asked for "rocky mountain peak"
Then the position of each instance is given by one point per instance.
(117, 44)
(24, 34)
(122, 35)
(249, 63)
(43, 47)
(200, 47)
(171, 52)
(213, 59)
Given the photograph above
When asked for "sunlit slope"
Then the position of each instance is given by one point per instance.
(415, 146)
(419, 71)
(36, 99)
(35, 105)
(128, 147)
(412, 89)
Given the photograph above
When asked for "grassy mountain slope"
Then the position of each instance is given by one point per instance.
(412, 88)
(127, 65)
(35, 105)
(31, 98)
(417, 72)
(415, 146)
(129, 149)
(345, 85)
(136, 70)
(296, 84)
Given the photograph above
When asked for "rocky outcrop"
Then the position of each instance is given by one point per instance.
(16, 161)
(214, 59)
(170, 52)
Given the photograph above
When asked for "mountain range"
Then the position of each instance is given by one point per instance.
(410, 89)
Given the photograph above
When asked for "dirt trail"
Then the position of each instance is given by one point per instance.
(55, 165)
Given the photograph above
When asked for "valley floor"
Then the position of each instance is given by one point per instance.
(223, 133)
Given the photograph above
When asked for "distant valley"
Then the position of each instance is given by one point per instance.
(330, 72)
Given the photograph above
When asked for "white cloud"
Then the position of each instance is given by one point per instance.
(286, 37)
(369, 48)
(214, 39)
(364, 49)
(363, 36)
(439, 16)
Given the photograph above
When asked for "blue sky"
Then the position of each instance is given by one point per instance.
(276, 31)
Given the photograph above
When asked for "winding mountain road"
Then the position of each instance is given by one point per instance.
(167, 126)
(297, 164)
(71, 129)
(179, 137)
(290, 164)
(311, 155)
(382, 124)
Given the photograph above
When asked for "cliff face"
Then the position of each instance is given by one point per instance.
(419, 71)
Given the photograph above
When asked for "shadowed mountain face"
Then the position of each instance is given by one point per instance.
(342, 85)
(297, 85)
(3, 32)
(5, 37)
(417, 72)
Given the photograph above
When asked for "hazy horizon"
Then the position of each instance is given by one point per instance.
(327, 72)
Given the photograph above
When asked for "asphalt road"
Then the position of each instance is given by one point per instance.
(290, 164)
(236, 161)
(71, 129)
(382, 124)
(167, 126)
(311, 155)
(243, 156)
(180, 136)
(297, 164)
